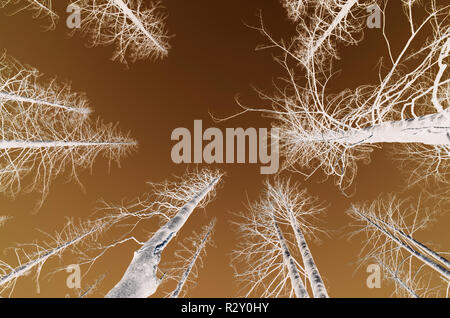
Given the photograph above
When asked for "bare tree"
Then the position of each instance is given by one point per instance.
(170, 202)
(140, 278)
(320, 130)
(137, 31)
(41, 9)
(321, 25)
(79, 238)
(34, 149)
(22, 86)
(190, 258)
(390, 225)
(266, 245)
(45, 131)
(92, 287)
(32, 257)
(293, 205)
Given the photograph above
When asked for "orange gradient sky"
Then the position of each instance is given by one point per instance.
(212, 60)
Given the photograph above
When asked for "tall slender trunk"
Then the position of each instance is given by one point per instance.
(45, 8)
(138, 23)
(296, 281)
(441, 270)
(140, 278)
(416, 243)
(23, 270)
(341, 15)
(317, 285)
(431, 129)
(191, 265)
(19, 144)
(3, 220)
(399, 281)
(17, 98)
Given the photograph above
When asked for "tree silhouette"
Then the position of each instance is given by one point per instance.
(332, 132)
(390, 227)
(171, 203)
(45, 131)
(271, 234)
(40, 9)
(190, 255)
(137, 30)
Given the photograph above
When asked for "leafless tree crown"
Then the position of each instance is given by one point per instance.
(137, 30)
(272, 238)
(409, 106)
(45, 131)
(389, 226)
(40, 9)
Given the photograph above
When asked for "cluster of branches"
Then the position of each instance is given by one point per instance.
(270, 236)
(45, 131)
(41, 9)
(91, 288)
(321, 25)
(409, 108)
(172, 203)
(25, 86)
(320, 130)
(32, 257)
(137, 30)
(184, 271)
(389, 226)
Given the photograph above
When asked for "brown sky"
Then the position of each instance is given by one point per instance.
(212, 59)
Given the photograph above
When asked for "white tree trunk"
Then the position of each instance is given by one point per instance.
(441, 270)
(16, 98)
(138, 24)
(416, 243)
(431, 129)
(19, 144)
(24, 269)
(296, 281)
(140, 278)
(317, 285)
